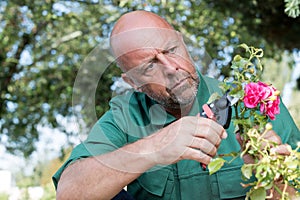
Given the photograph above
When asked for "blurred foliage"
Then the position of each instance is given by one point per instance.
(264, 19)
(44, 169)
(44, 43)
(42, 173)
(292, 8)
(4, 196)
(49, 192)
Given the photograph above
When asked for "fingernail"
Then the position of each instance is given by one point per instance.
(224, 135)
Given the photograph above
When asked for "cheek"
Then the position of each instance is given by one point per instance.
(155, 82)
(154, 89)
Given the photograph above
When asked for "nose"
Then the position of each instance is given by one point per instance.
(169, 67)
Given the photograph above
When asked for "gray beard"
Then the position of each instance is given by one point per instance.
(176, 101)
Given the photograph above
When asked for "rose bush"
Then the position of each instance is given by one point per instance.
(258, 103)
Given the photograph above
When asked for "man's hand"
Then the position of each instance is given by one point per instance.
(193, 138)
(273, 138)
(280, 148)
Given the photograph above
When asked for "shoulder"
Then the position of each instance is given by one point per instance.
(125, 109)
(210, 80)
(212, 84)
(131, 97)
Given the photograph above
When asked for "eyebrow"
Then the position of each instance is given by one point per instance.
(171, 43)
(166, 47)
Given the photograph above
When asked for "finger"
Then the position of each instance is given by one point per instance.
(218, 128)
(210, 130)
(209, 135)
(272, 136)
(248, 159)
(204, 145)
(283, 149)
(239, 138)
(197, 155)
(212, 125)
(224, 134)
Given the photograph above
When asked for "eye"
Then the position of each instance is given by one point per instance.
(149, 67)
(172, 50)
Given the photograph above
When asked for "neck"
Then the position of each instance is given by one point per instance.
(180, 112)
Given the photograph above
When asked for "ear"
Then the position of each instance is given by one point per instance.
(129, 81)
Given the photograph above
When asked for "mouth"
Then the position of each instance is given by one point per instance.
(179, 83)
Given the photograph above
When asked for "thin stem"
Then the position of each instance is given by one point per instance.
(238, 117)
(230, 161)
(277, 189)
(284, 190)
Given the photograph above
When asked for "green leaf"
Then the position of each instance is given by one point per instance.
(224, 86)
(259, 52)
(292, 164)
(258, 194)
(123, 3)
(215, 165)
(213, 97)
(247, 171)
(245, 46)
(237, 58)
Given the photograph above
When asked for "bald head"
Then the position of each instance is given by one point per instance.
(154, 59)
(138, 20)
(136, 30)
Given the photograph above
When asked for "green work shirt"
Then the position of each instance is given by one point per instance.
(133, 116)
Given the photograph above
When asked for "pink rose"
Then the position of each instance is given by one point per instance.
(254, 94)
(270, 106)
(266, 96)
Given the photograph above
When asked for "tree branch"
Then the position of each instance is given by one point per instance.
(13, 69)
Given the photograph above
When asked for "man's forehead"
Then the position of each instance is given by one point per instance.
(132, 40)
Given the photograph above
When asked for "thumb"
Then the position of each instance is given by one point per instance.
(239, 138)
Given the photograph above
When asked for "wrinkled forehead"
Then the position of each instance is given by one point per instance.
(132, 40)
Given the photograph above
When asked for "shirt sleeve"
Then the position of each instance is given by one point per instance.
(104, 137)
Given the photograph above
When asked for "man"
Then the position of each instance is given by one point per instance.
(152, 140)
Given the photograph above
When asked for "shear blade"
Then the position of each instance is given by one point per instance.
(232, 100)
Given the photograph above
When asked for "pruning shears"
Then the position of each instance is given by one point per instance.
(220, 109)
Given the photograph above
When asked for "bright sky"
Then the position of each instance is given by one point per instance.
(289, 87)
(51, 141)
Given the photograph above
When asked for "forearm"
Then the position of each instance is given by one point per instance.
(102, 177)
